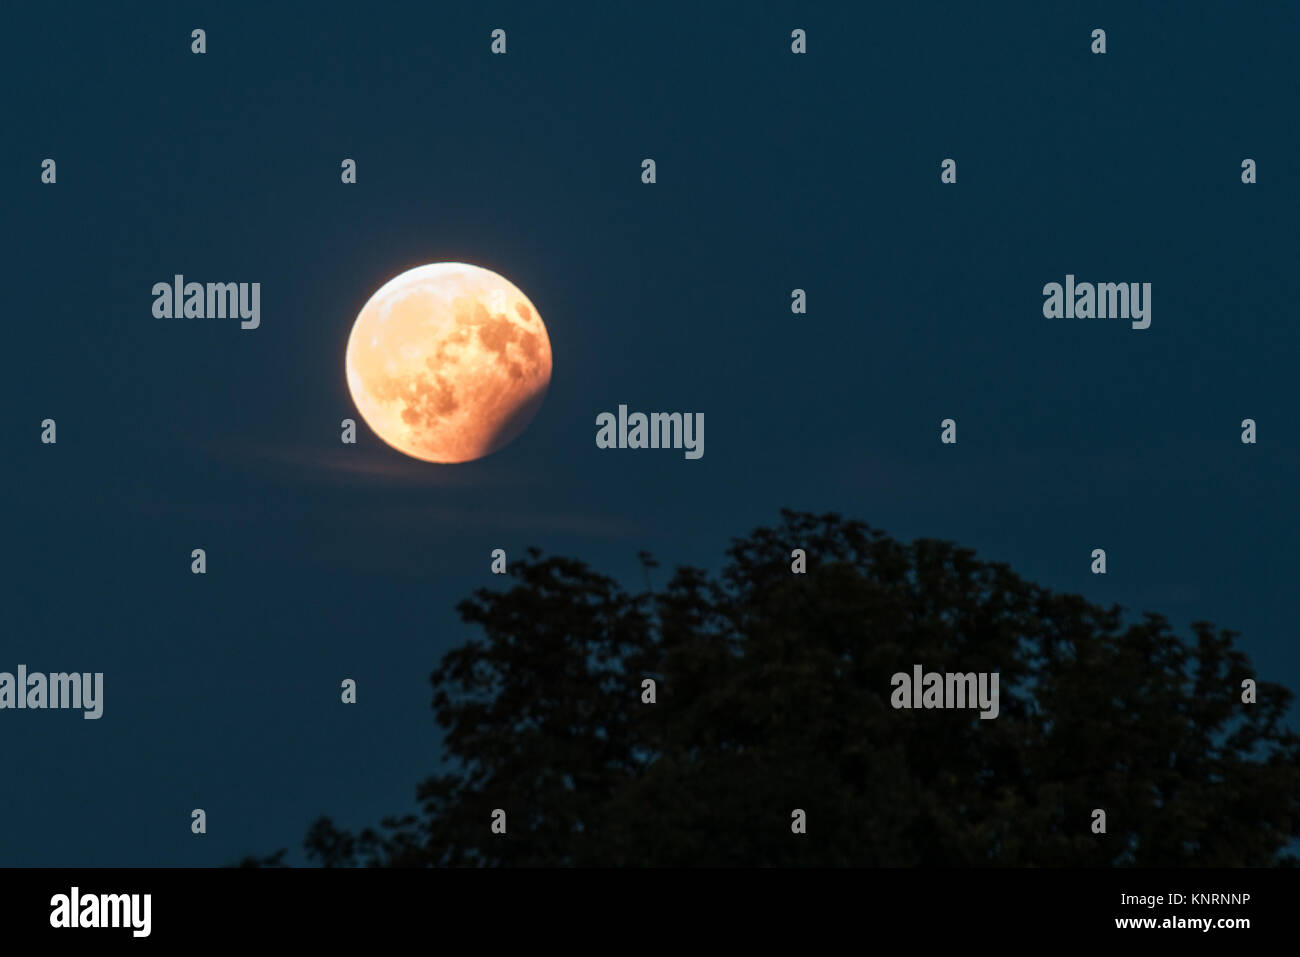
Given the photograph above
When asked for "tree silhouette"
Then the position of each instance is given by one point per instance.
(773, 693)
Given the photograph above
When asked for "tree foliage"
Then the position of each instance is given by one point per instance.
(773, 694)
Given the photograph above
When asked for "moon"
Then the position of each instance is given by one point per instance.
(448, 362)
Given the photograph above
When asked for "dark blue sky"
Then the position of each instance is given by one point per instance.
(774, 172)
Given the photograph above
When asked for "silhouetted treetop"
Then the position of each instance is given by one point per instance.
(773, 692)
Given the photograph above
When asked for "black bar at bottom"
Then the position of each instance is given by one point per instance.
(616, 907)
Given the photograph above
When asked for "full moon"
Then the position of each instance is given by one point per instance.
(448, 362)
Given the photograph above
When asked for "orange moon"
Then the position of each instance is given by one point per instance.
(448, 362)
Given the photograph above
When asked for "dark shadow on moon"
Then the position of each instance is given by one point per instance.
(518, 420)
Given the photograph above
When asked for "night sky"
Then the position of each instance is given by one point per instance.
(775, 172)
